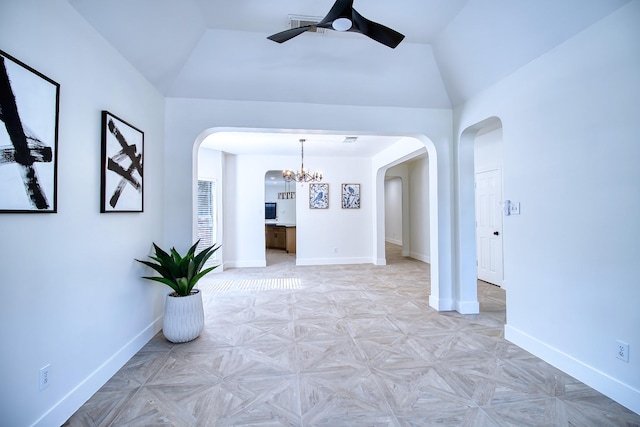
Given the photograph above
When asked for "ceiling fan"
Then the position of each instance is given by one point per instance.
(343, 17)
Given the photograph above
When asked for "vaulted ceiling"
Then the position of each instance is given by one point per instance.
(219, 48)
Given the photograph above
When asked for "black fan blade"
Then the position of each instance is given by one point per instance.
(375, 31)
(360, 24)
(341, 8)
(285, 35)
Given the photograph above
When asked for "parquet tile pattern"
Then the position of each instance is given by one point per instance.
(354, 345)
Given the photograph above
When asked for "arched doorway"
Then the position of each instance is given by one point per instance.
(440, 297)
(280, 219)
(466, 272)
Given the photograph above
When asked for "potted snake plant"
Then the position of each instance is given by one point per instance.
(183, 309)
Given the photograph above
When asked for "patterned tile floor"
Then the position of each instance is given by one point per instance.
(354, 345)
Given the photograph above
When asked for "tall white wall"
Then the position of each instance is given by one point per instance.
(570, 130)
(393, 210)
(419, 209)
(73, 297)
(324, 236)
(407, 207)
(211, 167)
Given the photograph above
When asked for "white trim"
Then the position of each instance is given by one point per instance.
(393, 241)
(440, 304)
(420, 257)
(70, 403)
(622, 393)
(245, 264)
(332, 261)
(467, 307)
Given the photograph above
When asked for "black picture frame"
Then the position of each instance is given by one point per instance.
(30, 105)
(122, 180)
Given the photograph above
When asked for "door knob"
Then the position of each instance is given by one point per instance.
(496, 233)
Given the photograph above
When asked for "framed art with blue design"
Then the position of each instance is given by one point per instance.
(318, 196)
(350, 196)
(122, 153)
(29, 108)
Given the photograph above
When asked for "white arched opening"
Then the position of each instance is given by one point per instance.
(413, 146)
(465, 271)
(440, 297)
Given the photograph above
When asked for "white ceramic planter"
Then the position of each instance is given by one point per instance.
(183, 317)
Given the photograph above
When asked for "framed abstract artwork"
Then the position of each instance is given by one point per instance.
(122, 155)
(318, 196)
(350, 196)
(29, 108)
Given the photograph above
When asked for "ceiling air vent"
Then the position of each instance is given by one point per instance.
(296, 21)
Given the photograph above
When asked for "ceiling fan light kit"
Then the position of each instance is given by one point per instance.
(343, 17)
(342, 24)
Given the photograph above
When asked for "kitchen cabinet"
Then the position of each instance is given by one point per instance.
(280, 237)
(291, 240)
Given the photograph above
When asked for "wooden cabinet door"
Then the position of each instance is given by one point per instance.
(291, 240)
(275, 237)
(280, 236)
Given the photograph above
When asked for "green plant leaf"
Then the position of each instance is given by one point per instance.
(168, 282)
(180, 273)
(160, 253)
(201, 274)
(164, 272)
(204, 255)
(183, 286)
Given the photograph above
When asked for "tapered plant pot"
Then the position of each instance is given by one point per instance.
(183, 317)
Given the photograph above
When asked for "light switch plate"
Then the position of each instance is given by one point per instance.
(514, 208)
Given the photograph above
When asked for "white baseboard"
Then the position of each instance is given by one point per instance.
(332, 261)
(468, 307)
(393, 241)
(611, 387)
(69, 404)
(440, 304)
(245, 264)
(420, 257)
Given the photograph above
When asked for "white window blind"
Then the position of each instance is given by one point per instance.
(207, 214)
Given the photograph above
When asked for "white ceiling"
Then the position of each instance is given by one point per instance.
(288, 144)
(453, 49)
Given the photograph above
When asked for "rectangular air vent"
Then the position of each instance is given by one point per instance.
(296, 21)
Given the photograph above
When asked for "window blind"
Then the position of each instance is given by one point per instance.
(206, 207)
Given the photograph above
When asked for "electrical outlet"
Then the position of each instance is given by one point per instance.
(44, 377)
(622, 351)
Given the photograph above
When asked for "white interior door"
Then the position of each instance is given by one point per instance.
(489, 226)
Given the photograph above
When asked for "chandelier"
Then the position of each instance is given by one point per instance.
(301, 175)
